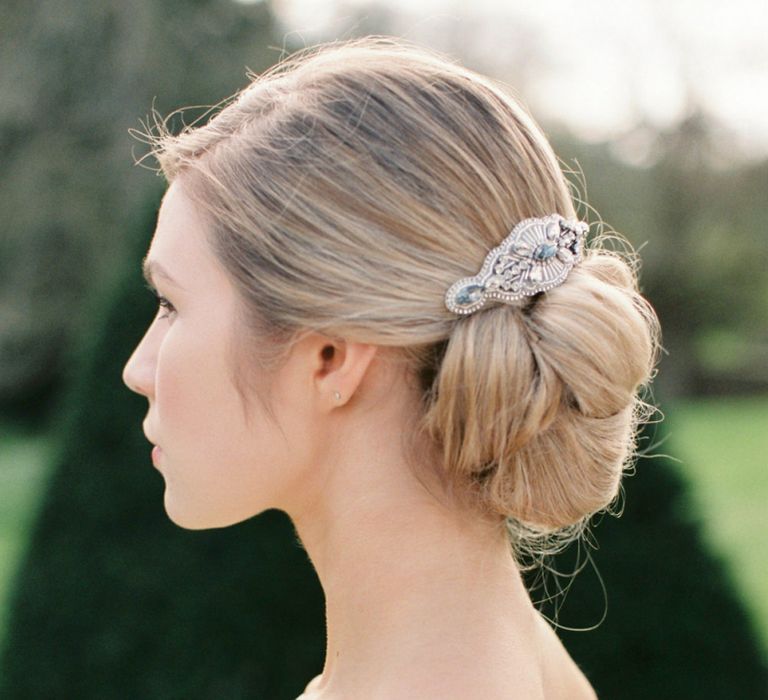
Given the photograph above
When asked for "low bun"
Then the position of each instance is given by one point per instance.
(536, 406)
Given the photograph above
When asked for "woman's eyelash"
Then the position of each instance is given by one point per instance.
(163, 302)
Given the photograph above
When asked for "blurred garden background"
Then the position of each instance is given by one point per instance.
(659, 112)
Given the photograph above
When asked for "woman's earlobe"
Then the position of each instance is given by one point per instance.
(344, 365)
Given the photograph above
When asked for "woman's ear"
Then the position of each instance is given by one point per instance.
(340, 368)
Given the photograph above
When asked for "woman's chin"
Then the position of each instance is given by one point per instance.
(190, 518)
(183, 517)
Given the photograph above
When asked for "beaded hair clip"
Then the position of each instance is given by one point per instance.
(536, 256)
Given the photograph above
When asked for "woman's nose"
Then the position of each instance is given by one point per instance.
(139, 371)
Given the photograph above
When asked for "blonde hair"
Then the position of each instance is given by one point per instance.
(349, 187)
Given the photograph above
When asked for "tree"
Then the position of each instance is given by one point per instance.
(77, 74)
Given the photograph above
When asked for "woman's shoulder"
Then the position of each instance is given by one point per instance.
(562, 677)
(311, 686)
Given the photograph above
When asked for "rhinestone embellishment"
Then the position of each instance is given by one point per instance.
(536, 256)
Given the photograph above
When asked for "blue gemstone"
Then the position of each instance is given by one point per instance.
(469, 295)
(544, 251)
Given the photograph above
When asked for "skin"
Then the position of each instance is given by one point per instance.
(423, 598)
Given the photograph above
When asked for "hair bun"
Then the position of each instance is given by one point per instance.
(536, 407)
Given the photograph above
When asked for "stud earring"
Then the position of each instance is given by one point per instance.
(336, 395)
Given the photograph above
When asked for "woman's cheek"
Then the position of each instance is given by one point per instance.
(175, 380)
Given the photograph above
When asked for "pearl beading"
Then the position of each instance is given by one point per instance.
(536, 256)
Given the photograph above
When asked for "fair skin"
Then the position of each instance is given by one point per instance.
(423, 599)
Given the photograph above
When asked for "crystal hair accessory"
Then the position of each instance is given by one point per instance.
(536, 256)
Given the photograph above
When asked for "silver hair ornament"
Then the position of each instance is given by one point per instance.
(536, 256)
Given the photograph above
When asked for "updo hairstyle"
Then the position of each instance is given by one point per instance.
(347, 188)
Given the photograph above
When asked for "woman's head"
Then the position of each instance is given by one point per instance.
(344, 192)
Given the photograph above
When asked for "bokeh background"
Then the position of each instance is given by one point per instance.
(658, 111)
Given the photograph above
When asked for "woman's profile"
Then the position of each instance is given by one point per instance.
(381, 314)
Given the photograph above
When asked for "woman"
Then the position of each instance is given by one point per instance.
(381, 316)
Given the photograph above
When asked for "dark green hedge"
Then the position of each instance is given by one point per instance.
(675, 627)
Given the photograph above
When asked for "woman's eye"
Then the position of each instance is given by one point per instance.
(163, 303)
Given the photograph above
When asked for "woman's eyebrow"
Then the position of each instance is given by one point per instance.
(151, 269)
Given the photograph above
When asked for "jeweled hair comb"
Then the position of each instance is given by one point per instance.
(536, 256)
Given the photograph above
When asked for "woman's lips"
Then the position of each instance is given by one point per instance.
(156, 452)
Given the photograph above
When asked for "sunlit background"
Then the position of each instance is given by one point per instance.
(658, 110)
(608, 72)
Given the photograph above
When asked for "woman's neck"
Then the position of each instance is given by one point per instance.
(409, 583)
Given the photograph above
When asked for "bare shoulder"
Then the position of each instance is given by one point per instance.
(562, 677)
(558, 678)
(309, 691)
(543, 670)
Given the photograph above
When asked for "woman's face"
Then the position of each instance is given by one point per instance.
(218, 468)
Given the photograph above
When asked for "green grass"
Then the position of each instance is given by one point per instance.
(723, 447)
(24, 461)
